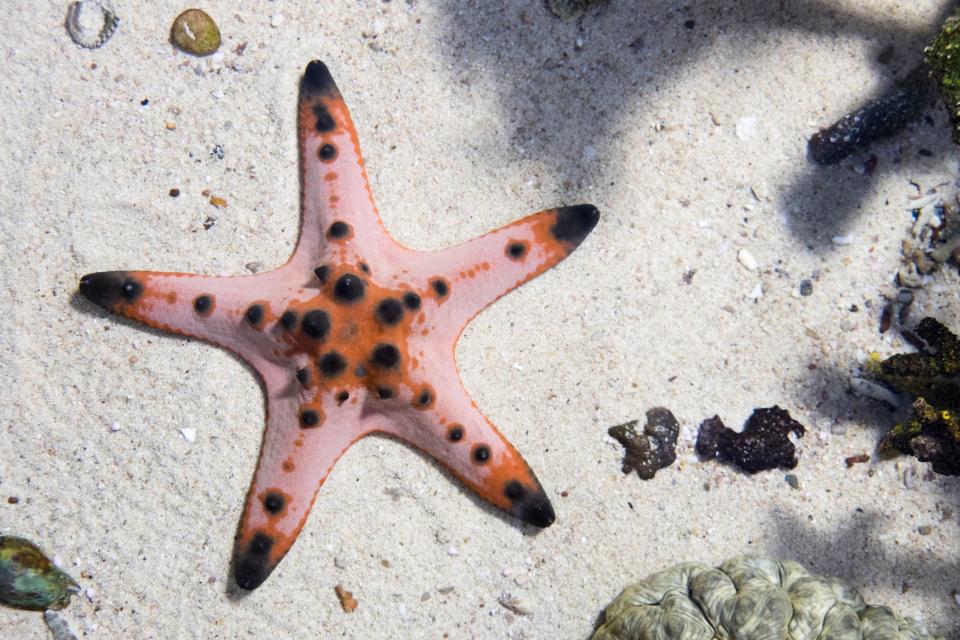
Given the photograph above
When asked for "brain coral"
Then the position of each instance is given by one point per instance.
(749, 598)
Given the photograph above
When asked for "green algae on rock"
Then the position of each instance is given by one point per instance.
(933, 432)
(943, 59)
(651, 449)
(195, 32)
(28, 580)
(749, 598)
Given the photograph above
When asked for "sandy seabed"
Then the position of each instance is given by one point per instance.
(471, 114)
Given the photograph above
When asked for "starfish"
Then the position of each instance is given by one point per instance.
(355, 334)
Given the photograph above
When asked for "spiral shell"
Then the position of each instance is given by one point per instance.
(749, 598)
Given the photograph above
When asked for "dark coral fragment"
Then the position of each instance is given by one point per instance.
(653, 448)
(938, 74)
(763, 444)
(933, 376)
(873, 121)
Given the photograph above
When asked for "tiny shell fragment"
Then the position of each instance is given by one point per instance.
(218, 202)
(195, 32)
(347, 601)
(747, 260)
(28, 580)
(59, 628)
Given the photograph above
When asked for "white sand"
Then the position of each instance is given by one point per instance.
(470, 116)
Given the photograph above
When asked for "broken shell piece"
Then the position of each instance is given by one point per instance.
(28, 580)
(59, 628)
(875, 391)
(195, 32)
(88, 30)
(518, 606)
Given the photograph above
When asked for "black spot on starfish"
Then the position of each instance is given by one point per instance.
(324, 121)
(289, 320)
(316, 324)
(516, 250)
(481, 454)
(203, 305)
(338, 229)
(440, 287)
(348, 288)
(385, 356)
(331, 364)
(274, 502)
(255, 314)
(309, 418)
(411, 300)
(327, 152)
(389, 311)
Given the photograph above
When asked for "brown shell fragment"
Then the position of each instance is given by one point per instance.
(347, 601)
(763, 444)
(195, 32)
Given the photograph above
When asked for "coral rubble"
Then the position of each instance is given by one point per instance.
(933, 376)
(651, 449)
(763, 444)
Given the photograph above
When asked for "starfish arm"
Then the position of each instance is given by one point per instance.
(471, 276)
(337, 205)
(221, 310)
(446, 424)
(295, 458)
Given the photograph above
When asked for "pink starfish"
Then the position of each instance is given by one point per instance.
(354, 334)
